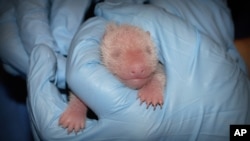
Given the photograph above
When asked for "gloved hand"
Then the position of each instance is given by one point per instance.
(206, 88)
(12, 54)
(27, 24)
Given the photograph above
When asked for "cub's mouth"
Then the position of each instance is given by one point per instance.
(136, 83)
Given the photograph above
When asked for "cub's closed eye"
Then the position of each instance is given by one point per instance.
(148, 50)
(116, 53)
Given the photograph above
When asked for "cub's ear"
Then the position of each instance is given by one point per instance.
(111, 26)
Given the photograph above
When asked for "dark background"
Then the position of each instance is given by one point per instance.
(240, 10)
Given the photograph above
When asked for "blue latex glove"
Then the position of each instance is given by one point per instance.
(206, 90)
(12, 53)
(27, 24)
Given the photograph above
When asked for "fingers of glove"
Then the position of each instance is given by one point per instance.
(65, 18)
(44, 100)
(33, 23)
(220, 30)
(41, 79)
(12, 52)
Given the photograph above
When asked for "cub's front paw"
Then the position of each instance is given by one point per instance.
(151, 95)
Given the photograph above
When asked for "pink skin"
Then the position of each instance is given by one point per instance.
(73, 118)
(136, 74)
(129, 53)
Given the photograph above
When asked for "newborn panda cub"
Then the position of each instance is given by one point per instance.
(130, 54)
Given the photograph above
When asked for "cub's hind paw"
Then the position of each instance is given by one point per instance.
(73, 120)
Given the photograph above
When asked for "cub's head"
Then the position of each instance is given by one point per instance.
(129, 53)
